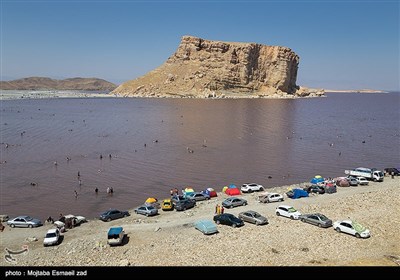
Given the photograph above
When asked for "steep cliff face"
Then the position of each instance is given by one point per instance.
(203, 68)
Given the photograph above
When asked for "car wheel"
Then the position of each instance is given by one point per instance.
(250, 191)
(30, 226)
(291, 217)
(147, 214)
(338, 229)
(233, 225)
(278, 214)
(257, 223)
(218, 222)
(109, 219)
(125, 215)
(281, 199)
(12, 225)
(358, 235)
(319, 225)
(244, 204)
(231, 206)
(303, 220)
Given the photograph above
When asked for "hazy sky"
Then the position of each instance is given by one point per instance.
(341, 44)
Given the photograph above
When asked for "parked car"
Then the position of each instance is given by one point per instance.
(391, 170)
(146, 210)
(24, 221)
(206, 227)
(253, 187)
(228, 219)
(351, 227)
(317, 219)
(270, 197)
(315, 189)
(287, 211)
(198, 196)
(115, 236)
(52, 237)
(76, 220)
(113, 214)
(182, 205)
(231, 202)
(177, 198)
(167, 205)
(254, 217)
(352, 181)
(362, 181)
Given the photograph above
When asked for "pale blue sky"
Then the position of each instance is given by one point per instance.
(341, 44)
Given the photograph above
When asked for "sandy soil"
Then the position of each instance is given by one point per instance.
(169, 239)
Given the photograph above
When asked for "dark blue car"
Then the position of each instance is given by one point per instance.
(228, 219)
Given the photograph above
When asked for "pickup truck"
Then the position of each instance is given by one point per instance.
(115, 236)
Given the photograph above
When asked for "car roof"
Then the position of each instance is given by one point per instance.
(285, 206)
(52, 230)
(250, 211)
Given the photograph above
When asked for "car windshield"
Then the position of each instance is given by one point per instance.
(292, 210)
(27, 218)
(323, 217)
(51, 234)
(256, 215)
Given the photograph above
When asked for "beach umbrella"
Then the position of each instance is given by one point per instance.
(151, 200)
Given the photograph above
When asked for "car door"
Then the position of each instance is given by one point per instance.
(347, 228)
(246, 217)
(20, 222)
(114, 214)
(313, 220)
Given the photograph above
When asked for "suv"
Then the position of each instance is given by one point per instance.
(182, 205)
(52, 237)
(248, 188)
(287, 211)
(389, 171)
(270, 197)
(115, 236)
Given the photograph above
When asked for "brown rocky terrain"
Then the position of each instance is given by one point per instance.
(204, 69)
(43, 83)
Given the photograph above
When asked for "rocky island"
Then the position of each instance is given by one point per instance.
(214, 69)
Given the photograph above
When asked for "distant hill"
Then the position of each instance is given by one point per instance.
(43, 83)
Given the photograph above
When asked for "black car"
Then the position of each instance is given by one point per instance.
(391, 171)
(113, 214)
(184, 204)
(315, 189)
(228, 219)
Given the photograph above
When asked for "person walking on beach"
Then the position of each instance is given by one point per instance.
(171, 192)
(96, 190)
(222, 210)
(76, 194)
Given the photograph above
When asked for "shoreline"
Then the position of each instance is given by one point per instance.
(169, 239)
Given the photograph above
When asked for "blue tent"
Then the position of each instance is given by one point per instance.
(297, 193)
(316, 180)
(232, 186)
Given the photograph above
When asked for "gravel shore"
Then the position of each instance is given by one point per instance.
(169, 239)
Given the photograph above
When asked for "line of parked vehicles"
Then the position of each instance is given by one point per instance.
(358, 176)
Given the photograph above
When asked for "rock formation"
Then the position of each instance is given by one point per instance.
(43, 83)
(204, 68)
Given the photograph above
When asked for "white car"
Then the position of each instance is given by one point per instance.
(362, 181)
(351, 227)
(270, 197)
(52, 237)
(287, 211)
(253, 187)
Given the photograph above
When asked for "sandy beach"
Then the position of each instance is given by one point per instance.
(169, 239)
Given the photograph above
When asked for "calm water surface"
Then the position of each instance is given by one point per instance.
(246, 140)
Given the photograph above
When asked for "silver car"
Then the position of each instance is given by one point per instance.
(316, 219)
(24, 221)
(253, 217)
(146, 210)
(231, 202)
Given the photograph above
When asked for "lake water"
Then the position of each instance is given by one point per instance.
(247, 140)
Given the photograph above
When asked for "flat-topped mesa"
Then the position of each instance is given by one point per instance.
(204, 68)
